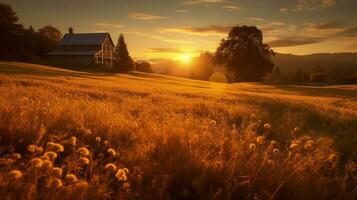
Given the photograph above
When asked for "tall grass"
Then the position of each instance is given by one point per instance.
(146, 137)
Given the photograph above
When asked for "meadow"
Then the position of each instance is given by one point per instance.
(80, 135)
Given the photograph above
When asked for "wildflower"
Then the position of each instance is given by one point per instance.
(73, 141)
(84, 160)
(112, 152)
(267, 126)
(293, 146)
(57, 183)
(36, 162)
(55, 147)
(84, 151)
(106, 143)
(332, 157)
(121, 175)
(15, 174)
(98, 139)
(71, 178)
(32, 148)
(57, 172)
(39, 149)
(260, 140)
(126, 170)
(51, 155)
(110, 167)
(310, 145)
(213, 122)
(252, 147)
(125, 186)
(276, 151)
(47, 164)
(16, 156)
(273, 142)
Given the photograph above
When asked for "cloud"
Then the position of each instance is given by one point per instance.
(313, 4)
(295, 41)
(197, 2)
(349, 32)
(330, 25)
(208, 30)
(144, 16)
(284, 10)
(232, 8)
(181, 11)
(258, 19)
(107, 25)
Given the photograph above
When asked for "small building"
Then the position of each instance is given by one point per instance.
(85, 49)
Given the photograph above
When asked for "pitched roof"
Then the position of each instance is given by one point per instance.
(84, 39)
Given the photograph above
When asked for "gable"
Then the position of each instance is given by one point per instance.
(84, 39)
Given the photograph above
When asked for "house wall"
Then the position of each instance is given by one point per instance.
(73, 61)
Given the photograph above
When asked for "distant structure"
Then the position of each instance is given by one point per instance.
(85, 49)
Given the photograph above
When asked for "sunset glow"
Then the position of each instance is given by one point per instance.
(185, 58)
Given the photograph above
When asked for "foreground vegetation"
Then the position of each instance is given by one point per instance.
(74, 135)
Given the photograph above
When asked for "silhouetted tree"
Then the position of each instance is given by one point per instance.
(125, 62)
(244, 54)
(51, 33)
(143, 66)
(202, 66)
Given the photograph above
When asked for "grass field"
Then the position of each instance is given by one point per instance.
(172, 138)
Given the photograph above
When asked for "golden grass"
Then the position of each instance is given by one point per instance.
(146, 136)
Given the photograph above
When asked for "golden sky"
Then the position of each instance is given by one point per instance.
(162, 29)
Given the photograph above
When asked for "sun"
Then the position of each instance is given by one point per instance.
(185, 58)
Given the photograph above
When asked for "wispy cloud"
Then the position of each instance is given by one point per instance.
(197, 2)
(258, 19)
(181, 11)
(349, 32)
(144, 16)
(232, 8)
(295, 41)
(330, 25)
(172, 40)
(165, 50)
(284, 9)
(208, 30)
(107, 25)
(313, 4)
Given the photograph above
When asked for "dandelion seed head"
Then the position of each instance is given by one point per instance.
(57, 183)
(252, 147)
(110, 167)
(84, 151)
(120, 175)
(112, 152)
(73, 141)
(84, 160)
(15, 174)
(98, 139)
(267, 126)
(32, 148)
(57, 172)
(276, 151)
(51, 155)
(36, 162)
(71, 178)
(47, 164)
(260, 139)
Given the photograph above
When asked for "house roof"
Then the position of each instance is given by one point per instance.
(73, 53)
(85, 39)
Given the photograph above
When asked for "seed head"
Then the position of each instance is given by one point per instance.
(15, 174)
(32, 148)
(36, 162)
(260, 139)
(84, 151)
(51, 155)
(125, 186)
(111, 167)
(57, 172)
(84, 160)
(276, 151)
(16, 156)
(112, 152)
(121, 175)
(73, 141)
(252, 147)
(47, 165)
(267, 126)
(71, 178)
(98, 139)
(57, 183)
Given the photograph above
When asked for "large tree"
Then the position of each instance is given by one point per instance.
(125, 62)
(245, 55)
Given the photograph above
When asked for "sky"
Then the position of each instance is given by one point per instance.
(172, 29)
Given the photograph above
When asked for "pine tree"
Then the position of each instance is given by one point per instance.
(125, 62)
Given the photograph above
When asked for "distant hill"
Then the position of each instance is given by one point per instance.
(339, 61)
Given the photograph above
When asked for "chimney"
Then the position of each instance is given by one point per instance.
(70, 30)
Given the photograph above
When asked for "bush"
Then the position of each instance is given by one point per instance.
(143, 66)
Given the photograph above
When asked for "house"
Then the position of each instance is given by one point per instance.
(85, 49)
